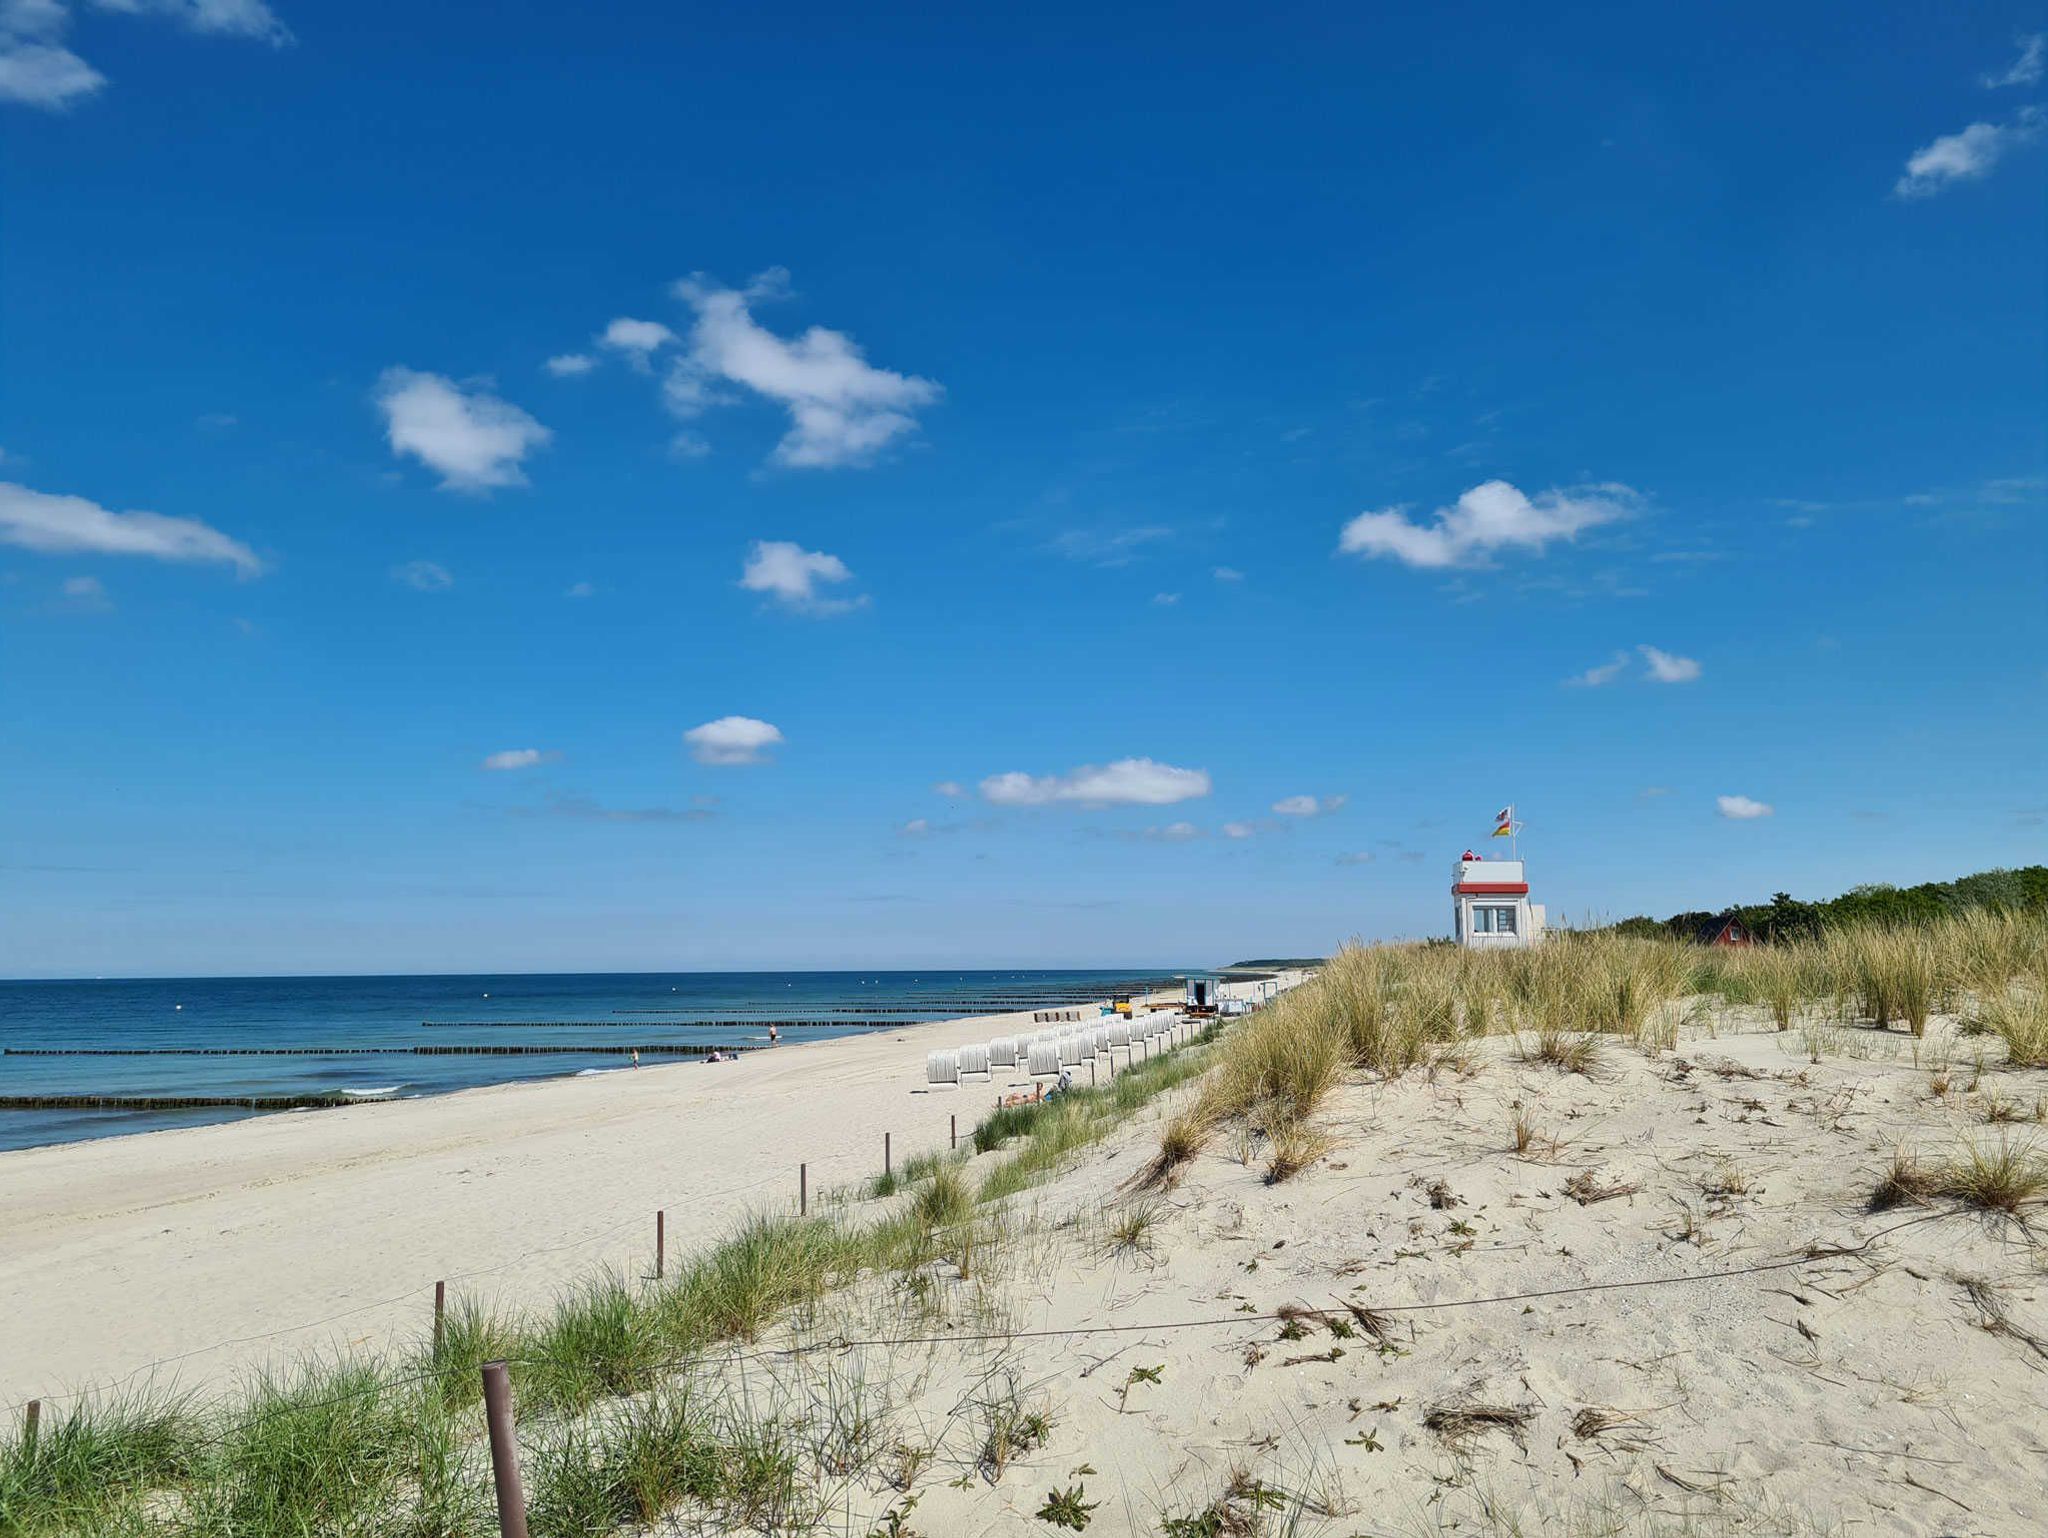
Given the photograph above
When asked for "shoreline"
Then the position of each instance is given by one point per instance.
(189, 1256)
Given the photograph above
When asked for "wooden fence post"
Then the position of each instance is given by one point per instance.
(660, 1242)
(504, 1451)
(440, 1317)
(803, 1189)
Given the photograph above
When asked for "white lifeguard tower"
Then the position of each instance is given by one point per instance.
(1490, 907)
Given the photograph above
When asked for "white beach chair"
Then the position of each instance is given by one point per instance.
(942, 1068)
(975, 1060)
(1002, 1052)
(1120, 1035)
(1073, 1052)
(1045, 1060)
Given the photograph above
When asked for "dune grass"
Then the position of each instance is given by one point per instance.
(2008, 1178)
(85, 1465)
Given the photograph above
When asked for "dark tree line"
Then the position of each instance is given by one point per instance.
(1786, 917)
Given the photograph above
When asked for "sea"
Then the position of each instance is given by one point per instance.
(144, 1042)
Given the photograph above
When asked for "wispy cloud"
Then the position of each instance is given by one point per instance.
(1239, 829)
(64, 525)
(38, 70)
(474, 440)
(2027, 68)
(568, 365)
(732, 740)
(1601, 674)
(518, 758)
(842, 409)
(423, 576)
(1966, 156)
(1228, 574)
(583, 809)
(1742, 808)
(580, 590)
(952, 790)
(1309, 806)
(1485, 521)
(1107, 547)
(86, 595)
(1127, 782)
(793, 576)
(1658, 667)
(1356, 857)
(1166, 600)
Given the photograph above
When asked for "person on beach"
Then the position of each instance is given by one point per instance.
(774, 1035)
(636, 1057)
(715, 1057)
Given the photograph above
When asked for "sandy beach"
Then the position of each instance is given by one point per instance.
(214, 1249)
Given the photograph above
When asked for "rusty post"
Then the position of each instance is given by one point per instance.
(1091, 1073)
(440, 1317)
(504, 1451)
(885, 1154)
(803, 1189)
(953, 1123)
(660, 1242)
(29, 1424)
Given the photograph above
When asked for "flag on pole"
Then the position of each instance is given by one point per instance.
(1504, 822)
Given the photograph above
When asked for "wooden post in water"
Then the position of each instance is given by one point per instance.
(504, 1451)
(440, 1317)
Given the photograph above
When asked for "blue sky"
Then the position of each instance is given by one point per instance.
(1231, 451)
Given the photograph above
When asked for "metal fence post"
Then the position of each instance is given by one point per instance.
(504, 1451)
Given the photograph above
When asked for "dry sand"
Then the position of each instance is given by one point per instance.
(211, 1249)
(1900, 1387)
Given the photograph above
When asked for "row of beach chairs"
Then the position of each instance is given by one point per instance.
(1044, 1054)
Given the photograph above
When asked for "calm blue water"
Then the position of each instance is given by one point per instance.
(315, 1012)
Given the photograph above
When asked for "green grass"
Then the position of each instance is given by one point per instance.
(601, 1342)
(87, 1464)
(324, 1447)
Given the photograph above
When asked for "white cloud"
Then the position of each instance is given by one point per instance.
(1173, 833)
(1605, 673)
(952, 790)
(1491, 517)
(2027, 68)
(59, 525)
(1741, 808)
(1107, 547)
(639, 340)
(37, 70)
(732, 740)
(580, 590)
(474, 440)
(1308, 806)
(1965, 156)
(792, 575)
(1228, 574)
(424, 576)
(1665, 668)
(917, 827)
(518, 758)
(1239, 830)
(44, 75)
(568, 365)
(843, 410)
(1358, 857)
(1166, 600)
(1127, 782)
